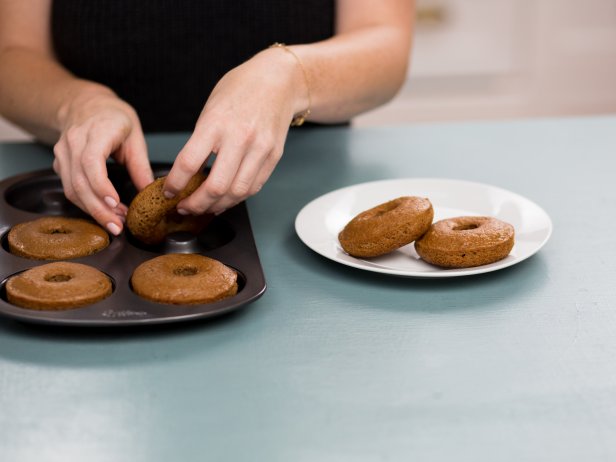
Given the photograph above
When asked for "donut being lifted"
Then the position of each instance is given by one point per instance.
(464, 242)
(387, 227)
(151, 216)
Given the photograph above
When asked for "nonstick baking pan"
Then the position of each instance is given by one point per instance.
(228, 238)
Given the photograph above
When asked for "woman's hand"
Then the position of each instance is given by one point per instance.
(245, 122)
(95, 127)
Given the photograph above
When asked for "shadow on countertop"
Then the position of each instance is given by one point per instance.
(88, 347)
(493, 290)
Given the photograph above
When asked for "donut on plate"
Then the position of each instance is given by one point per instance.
(58, 286)
(184, 279)
(387, 227)
(464, 242)
(56, 238)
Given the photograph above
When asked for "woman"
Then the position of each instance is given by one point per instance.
(87, 76)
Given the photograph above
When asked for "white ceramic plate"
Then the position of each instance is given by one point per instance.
(320, 221)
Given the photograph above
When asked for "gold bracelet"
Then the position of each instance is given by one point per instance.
(300, 118)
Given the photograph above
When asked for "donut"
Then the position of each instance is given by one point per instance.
(151, 216)
(58, 286)
(184, 279)
(387, 227)
(464, 242)
(56, 238)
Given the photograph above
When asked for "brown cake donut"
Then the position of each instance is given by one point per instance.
(151, 216)
(387, 227)
(184, 279)
(56, 238)
(463, 242)
(58, 286)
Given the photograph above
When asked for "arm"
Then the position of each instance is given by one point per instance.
(364, 64)
(86, 121)
(246, 118)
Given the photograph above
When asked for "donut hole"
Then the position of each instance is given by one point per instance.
(185, 271)
(60, 277)
(465, 227)
(386, 208)
(57, 231)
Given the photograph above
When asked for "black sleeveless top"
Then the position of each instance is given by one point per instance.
(164, 56)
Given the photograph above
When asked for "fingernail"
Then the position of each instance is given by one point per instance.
(168, 194)
(183, 212)
(111, 202)
(113, 228)
(218, 212)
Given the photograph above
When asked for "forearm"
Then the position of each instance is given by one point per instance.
(36, 92)
(355, 71)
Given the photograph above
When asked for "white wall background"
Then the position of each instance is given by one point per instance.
(478, 59)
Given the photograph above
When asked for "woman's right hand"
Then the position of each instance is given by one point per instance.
(94, 128)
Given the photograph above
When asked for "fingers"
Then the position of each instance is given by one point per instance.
(218, 182)
(252, 175)
(121, 210)
(94, 167)
(101, 211)
(189, 161)
(137, 162)
(236, 184)
(80, 160)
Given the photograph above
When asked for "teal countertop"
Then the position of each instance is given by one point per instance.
(336, 364)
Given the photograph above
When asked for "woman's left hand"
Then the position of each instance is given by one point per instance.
(245, 123)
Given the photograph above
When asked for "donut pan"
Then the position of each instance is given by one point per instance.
(228, 238)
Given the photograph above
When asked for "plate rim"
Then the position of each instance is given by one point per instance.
(444, 273)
